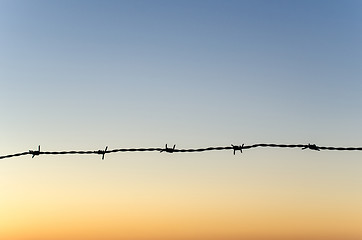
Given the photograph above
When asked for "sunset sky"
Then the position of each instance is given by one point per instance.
(82, 75)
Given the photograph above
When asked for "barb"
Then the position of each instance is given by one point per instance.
(102, 152)
(169, 150)
(235, 148)
(312, 147)
(35, 153)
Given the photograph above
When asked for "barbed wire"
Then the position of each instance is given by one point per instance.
(166, 149)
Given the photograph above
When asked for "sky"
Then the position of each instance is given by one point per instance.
(82, 75)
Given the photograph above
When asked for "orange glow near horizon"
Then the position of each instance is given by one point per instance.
(85, 227)
(179, 200)
(161, 217)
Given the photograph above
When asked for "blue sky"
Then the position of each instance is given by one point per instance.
(265, 66)
(85, 74)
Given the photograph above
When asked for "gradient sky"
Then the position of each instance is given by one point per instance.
(82, 75)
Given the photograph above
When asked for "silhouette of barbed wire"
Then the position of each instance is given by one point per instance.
(166, 149)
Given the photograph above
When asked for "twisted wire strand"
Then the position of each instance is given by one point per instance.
(173, 150)
(14, 155)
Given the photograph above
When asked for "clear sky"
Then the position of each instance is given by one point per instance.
(82, 75)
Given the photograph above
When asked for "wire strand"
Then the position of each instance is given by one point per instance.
(173, 150)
